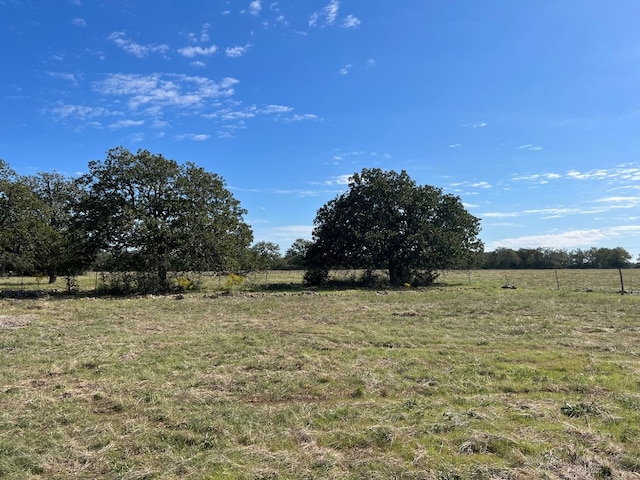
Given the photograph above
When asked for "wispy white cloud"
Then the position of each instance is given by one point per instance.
(156, 91)
(484, 185)
(79, 22)
(126, 124)
(275, 109)
(202, 36)
(603, 205)
(238, 51)
(455, 145)
(591, 175)
(255, 7)
(537, 177)
(300, 117)
(194, 51)
(325, 16)
(198, 64)
(530, 147)
(339, 180)
(63, 111)
(350, 22)
(196, 137)
(297, 192)
(345, 70)
(69, 77)
(621, 173)
(500, 214)
(475, 125)
(295, 231)
(235, 118)
(159, 124)
(136, 137)
(237, 115)
(204, 33)
(140, 51)
(620, 202)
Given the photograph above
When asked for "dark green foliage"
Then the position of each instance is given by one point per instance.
(262, 256)
(387, 221)
(297, 252)
(150, 214)
(62, 251)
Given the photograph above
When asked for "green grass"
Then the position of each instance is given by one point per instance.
(461, 380)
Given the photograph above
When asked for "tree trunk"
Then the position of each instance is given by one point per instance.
(399, 273)
(163, 284)
(52, 277)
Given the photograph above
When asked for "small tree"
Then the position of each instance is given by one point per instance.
(385, 220)
(61, 251)
(296, 253)
(32, 233)
(263, 255)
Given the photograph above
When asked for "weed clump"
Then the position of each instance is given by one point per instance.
(580, 409)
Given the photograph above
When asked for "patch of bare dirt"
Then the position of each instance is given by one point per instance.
(15, 321)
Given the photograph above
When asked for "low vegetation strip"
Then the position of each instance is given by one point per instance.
(455, 381)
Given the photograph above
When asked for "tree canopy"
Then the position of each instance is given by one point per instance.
(147, 213)
(385, 220)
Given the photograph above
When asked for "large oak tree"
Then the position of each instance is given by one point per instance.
(148, 213)
(385, 220)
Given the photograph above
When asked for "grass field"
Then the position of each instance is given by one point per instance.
(460, 380)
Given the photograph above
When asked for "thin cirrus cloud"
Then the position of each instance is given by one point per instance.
(327, 16)
(530, 147)
(537, 177)
(236, 118)
(126, 124)
(621, 173)
(196, 137)
(121, 40)
(79, 22)
(69, 77)
(475, 125)
(301, 117)
(159, 91)
(483, 185)
(620, 202)
(63, 111)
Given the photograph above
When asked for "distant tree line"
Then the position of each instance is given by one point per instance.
(539, 258)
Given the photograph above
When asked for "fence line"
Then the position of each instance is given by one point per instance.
(605, 280)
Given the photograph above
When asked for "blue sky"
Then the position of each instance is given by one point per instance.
(528, 110)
